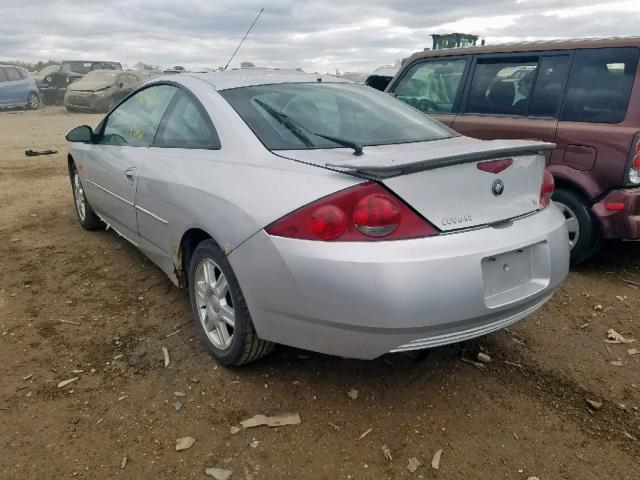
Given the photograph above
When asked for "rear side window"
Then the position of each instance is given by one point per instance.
(502, 87)
(186, 125)
(600, 85)
(432, 87)
(3, 74)
(549, 87)
(13, 74)
(135, 122)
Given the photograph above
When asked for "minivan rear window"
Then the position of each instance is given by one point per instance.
(600, 85)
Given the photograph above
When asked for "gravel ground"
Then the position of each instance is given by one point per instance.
(87, 305)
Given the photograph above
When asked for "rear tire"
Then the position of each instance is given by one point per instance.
(86, 216)
(219, 309)
(584, 234)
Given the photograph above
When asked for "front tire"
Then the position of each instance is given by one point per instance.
(86, 216)
(219, 309)
(584, 235)
(33, 101)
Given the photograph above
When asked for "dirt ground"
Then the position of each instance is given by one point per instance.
(88, 305)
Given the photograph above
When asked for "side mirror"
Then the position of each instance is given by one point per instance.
(82, 134)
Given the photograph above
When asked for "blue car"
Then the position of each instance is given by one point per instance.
(17, 88)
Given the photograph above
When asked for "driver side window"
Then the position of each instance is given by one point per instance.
(432, 87)
(135, 122)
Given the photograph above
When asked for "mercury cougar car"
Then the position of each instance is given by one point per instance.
(314, 212)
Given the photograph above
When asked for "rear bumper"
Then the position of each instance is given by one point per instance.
(619, 214)
(362, 300)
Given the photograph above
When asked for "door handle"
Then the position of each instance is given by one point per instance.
(130, 174)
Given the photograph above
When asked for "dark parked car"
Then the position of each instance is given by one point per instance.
(584, 95)
(100, 90)
(381, 77)
(40, 75)
(54, 85)
(17, 88)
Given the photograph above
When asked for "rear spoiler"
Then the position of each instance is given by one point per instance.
(393, 167)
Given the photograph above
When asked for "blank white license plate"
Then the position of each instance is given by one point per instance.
(506, 272)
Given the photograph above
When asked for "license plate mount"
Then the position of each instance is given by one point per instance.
(514, 275)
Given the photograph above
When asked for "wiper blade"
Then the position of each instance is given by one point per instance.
(295, 127)
(357, 148)
(287, 122)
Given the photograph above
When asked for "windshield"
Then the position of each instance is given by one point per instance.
(49, 69)
(344, 111)
(76, 67)
(99, 76)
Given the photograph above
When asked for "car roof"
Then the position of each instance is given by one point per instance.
(386, 71)
(245, 77)
(518, 47)
(14, 66)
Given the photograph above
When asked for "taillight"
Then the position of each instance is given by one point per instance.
(495, 166)
(633, 169)
(546, 190)
(376, 215)
(327, 222)
(365, 212)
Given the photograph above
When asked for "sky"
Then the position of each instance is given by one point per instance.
(348, 35)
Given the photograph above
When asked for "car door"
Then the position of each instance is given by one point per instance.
(4, 87)
(514, 96)
(110, 167)
(434, 86)
(185, 149)
(14, 87)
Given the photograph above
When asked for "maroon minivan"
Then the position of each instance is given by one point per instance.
(581, 94)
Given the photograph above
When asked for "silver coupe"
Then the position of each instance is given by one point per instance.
(310, 211)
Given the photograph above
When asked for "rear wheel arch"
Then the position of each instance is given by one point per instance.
(188, 244)
(575, 205)
(564, 184)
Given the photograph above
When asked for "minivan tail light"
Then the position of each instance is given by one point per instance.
(547, 188)
(365, 212)
(633, 165)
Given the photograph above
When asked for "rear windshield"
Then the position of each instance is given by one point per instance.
(287, 116)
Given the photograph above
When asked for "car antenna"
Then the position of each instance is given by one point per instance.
(243, 38)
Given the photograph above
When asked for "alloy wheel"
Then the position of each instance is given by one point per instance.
(214, 303)
(78, 194)
(573, 227)
(33, 101)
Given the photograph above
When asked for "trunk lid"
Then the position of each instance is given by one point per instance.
(441, 179)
